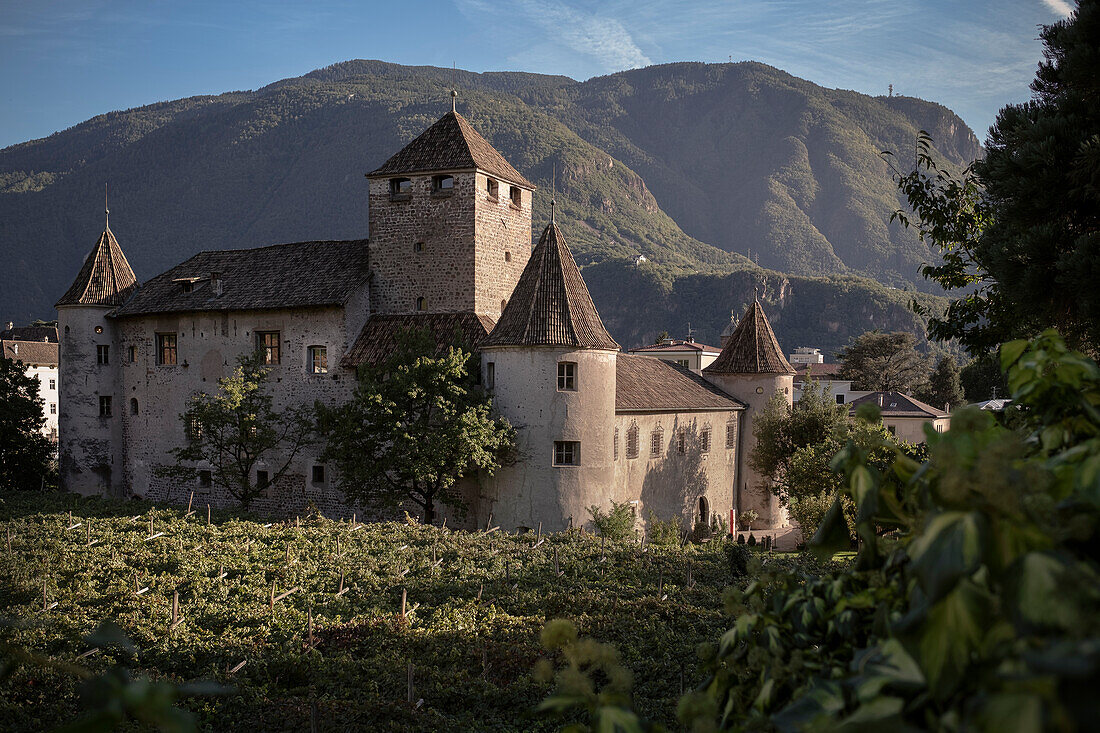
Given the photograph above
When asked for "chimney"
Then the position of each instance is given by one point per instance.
(15, 349)
(881, 399)
(10, 325)
(216, 282)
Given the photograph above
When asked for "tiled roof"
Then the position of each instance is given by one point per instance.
(896, 404)
(752, 348)
(677, 345)
(551, 305)
(30, 333)
(281, 276)
(105, 278)
(378, 339)
(648, 384)
(448, 145)
(29, 352)
(817, 371)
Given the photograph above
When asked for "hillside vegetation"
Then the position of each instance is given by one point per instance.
(702, 168)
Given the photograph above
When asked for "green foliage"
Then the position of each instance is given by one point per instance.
(747, 517)
(982, 378)
(617, 523)
(884, 362)
(472, 640)
(663, 532)
(24, 451)
(416, 425)
(944, 387)
(237, 429)
(808, 510)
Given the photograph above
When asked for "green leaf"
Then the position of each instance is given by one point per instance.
(1037, 594)
(950, 633)
(1011, 352)
(949, 548)
(832, 534)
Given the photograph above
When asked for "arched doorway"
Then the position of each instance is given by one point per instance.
(704, 511)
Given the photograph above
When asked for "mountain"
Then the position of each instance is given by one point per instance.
(695, 166)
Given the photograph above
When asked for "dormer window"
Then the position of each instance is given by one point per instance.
(443, 184)
(516, 195)
(492, 188)
(400, 187)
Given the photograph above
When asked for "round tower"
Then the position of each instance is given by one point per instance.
(752, 368)
(89, 420)
(550, 366)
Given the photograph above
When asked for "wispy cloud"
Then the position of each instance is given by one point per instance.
(1061, 7)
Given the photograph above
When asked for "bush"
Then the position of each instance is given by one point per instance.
(617, 524)
(808, 511)
(739, 557)
(747, 517)
(663, 532)
(740, 539)
(752, 540)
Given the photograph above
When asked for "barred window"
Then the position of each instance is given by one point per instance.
(656, 442)
(705, 439)
(318, 360)
(104, 406)
(615, 444)
(731, 433)
(681, 441)
(166, 349)
(318, 472)
(267, 343)
(632, 441)
(194, 429)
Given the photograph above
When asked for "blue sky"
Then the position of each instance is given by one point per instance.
(64, 61)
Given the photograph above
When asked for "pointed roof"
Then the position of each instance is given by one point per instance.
(752, 348)
(551, 305)
(451, 144)
(105, 278)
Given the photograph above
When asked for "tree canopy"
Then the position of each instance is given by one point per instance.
(887, 362)
(24, 450)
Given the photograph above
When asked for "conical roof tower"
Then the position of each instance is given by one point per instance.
(106, 278)
(752, 348)
(551, 305)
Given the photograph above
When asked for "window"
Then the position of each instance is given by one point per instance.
(400, 187)
(492, 188)
(194, 429)
(267, 343)
(681, 441)
(682, 362)
(893, 429)
(656, 442)
(418, 247)
(206, 479)
(420, 303)
(318, 360)
(102, 354)
(840, 399)
(507, 256)
(567, 453)
(53, 384)
(166, 349)
(615, 445)
(704, 510)
(318, 476)
(490, 375)
(53, 408)
(443, 184)
(131, 354)
(632, 441)
(704, 440)
(567, 376)
(516, 195)
(133, 406)
(262, 480)
(187, 286)
(104, 406)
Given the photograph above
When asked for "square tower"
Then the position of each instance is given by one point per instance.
(450, 225)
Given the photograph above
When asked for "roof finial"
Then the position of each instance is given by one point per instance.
(106, 209)
(454, 86)
(756, 292)
(554, 191)
(454, 99)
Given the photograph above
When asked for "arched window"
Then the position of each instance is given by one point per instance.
(133, 406)
(443, 184)
(704, 510)
(400, 187)
(632, 441)
(420, 303)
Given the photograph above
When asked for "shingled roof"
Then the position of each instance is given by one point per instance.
(42, 353)
(451, 144)
(551, 305)
(379, 337)
(643, 383)
(105, 278)
(752, 348)
(896, 404)
(303, 274)
(30, 333)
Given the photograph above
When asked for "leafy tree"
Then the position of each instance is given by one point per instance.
(24, 451)
(982, 379)
(416, 425)
(238, 429)
(944, 388)
(887, 362)
(1020, 231)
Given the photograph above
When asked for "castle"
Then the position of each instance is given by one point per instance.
(449, 250)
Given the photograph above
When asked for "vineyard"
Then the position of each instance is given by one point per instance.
(336, 624)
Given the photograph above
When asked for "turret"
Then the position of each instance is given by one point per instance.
(89, 419)
(450, 224)
(752, 368)
(550, 366)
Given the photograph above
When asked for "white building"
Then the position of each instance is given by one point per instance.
(36, 348)
(687, 353)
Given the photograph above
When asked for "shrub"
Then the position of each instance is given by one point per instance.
(617, 523)
(747, 517)
(739, 557)
(808, 511)
(663, 532)
(740, 539)
(752, 540)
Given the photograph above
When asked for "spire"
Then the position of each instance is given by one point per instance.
(106, 277)
(752, 347)
(106, 209)
(553, 192)
(551, 305)
(454, 100)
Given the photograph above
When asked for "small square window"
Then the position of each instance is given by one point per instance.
(267, 343)
(840, 399)
(516, 195)
(567, 453)
(418, 247)
(206, 478)
(53, 408)
(102, 354)
(443, 184)
(53, 384)
(263, 480)
(491, 188)
(166, 349)
(567, 376)
(400, 187)
(893, 429)
(104, 406)
(318, 360)
(318, 474)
